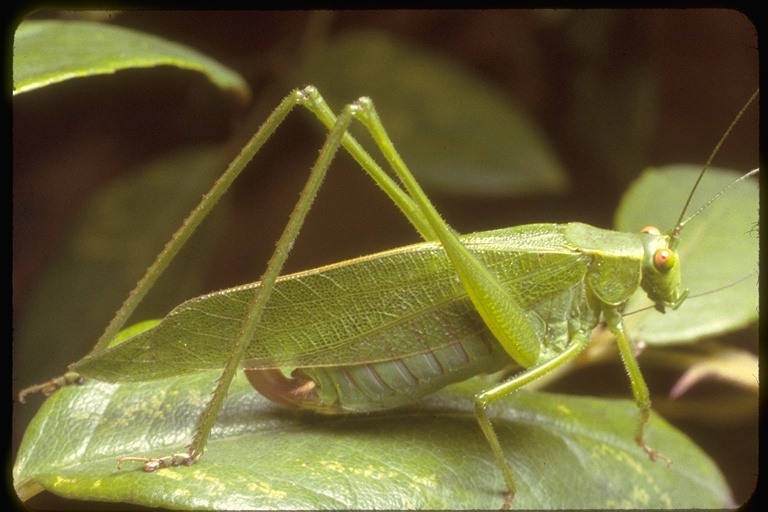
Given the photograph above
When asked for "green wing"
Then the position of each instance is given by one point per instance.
(377, 308)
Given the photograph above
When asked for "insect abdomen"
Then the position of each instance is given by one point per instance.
(382, 385)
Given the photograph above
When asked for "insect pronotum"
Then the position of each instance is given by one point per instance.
(528, 296)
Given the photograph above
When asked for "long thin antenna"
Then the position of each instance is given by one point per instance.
(742, 178)
(679, 225)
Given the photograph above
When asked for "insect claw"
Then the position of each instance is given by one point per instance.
(53, 385)
(150, 465)
(508, 498)
(144, 460)
(653, 454)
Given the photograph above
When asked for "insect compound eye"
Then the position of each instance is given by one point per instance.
(651, 230)
(664, 260)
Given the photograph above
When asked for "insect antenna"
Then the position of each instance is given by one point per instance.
(675, 234)
(695, 295)
(742, 178)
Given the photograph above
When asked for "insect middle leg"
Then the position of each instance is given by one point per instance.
(486, 398)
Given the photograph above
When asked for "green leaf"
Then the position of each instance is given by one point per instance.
(718, 249)
(566, 452)
(48, 52)
(458, 133)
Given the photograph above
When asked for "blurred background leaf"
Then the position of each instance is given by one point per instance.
(722, 237)
(459, 133)
(50, 51)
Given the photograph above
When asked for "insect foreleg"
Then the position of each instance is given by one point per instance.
(639, 388)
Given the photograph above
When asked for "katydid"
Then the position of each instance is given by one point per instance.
(423, 316)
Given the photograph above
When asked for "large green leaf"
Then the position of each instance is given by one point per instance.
(566, 452)
(718, 249)
(48, 52)
(458, 132)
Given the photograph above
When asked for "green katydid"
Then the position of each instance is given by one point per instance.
(541, 310)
